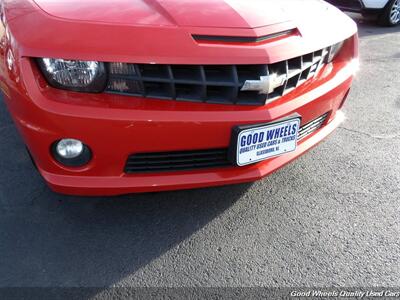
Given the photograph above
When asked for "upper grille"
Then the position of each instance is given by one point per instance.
(220, 84)
(196, 159)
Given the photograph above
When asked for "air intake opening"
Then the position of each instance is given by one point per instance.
(244, 39)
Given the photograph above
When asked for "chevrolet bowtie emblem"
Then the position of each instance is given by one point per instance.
(266, 84)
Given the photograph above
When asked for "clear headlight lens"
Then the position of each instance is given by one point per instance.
(83, 76)
(334, 51)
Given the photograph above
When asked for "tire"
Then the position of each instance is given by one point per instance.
(391, 14)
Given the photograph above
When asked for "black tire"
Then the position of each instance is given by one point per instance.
(388, 17)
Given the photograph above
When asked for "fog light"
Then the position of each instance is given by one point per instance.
(71, 152)
(69, 148)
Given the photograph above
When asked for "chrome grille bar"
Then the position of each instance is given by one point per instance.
(312, 126)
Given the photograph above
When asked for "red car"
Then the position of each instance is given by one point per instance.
(125, 96)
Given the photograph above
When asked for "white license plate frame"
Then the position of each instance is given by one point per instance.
(255, 143)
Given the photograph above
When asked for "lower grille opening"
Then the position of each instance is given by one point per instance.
(197, 159)
(175, 161)
(312, 126)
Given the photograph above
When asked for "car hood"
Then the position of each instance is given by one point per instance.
(188, 13)
(162, 31)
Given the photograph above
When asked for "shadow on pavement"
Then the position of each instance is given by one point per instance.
(52, 240)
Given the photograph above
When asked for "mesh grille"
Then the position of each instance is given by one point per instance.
(220, 84)
(197, 159)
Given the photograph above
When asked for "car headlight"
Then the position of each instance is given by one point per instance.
(75, 75)
(334, 51)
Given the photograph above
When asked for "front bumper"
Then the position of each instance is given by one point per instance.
(114, 185)
(126, 127)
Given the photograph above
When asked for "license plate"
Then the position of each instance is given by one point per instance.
(259, 142)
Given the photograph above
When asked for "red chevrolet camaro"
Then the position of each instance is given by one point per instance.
(124, 96)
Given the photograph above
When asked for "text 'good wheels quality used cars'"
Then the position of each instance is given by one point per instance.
(115, 97)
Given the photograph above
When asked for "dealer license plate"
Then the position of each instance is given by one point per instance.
(260, 142)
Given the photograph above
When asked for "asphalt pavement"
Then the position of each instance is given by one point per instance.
(330, 218)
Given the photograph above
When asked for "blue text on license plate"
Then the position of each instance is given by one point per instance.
(259, 143)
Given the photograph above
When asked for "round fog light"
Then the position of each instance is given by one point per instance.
(71, 152)
(69, 148)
